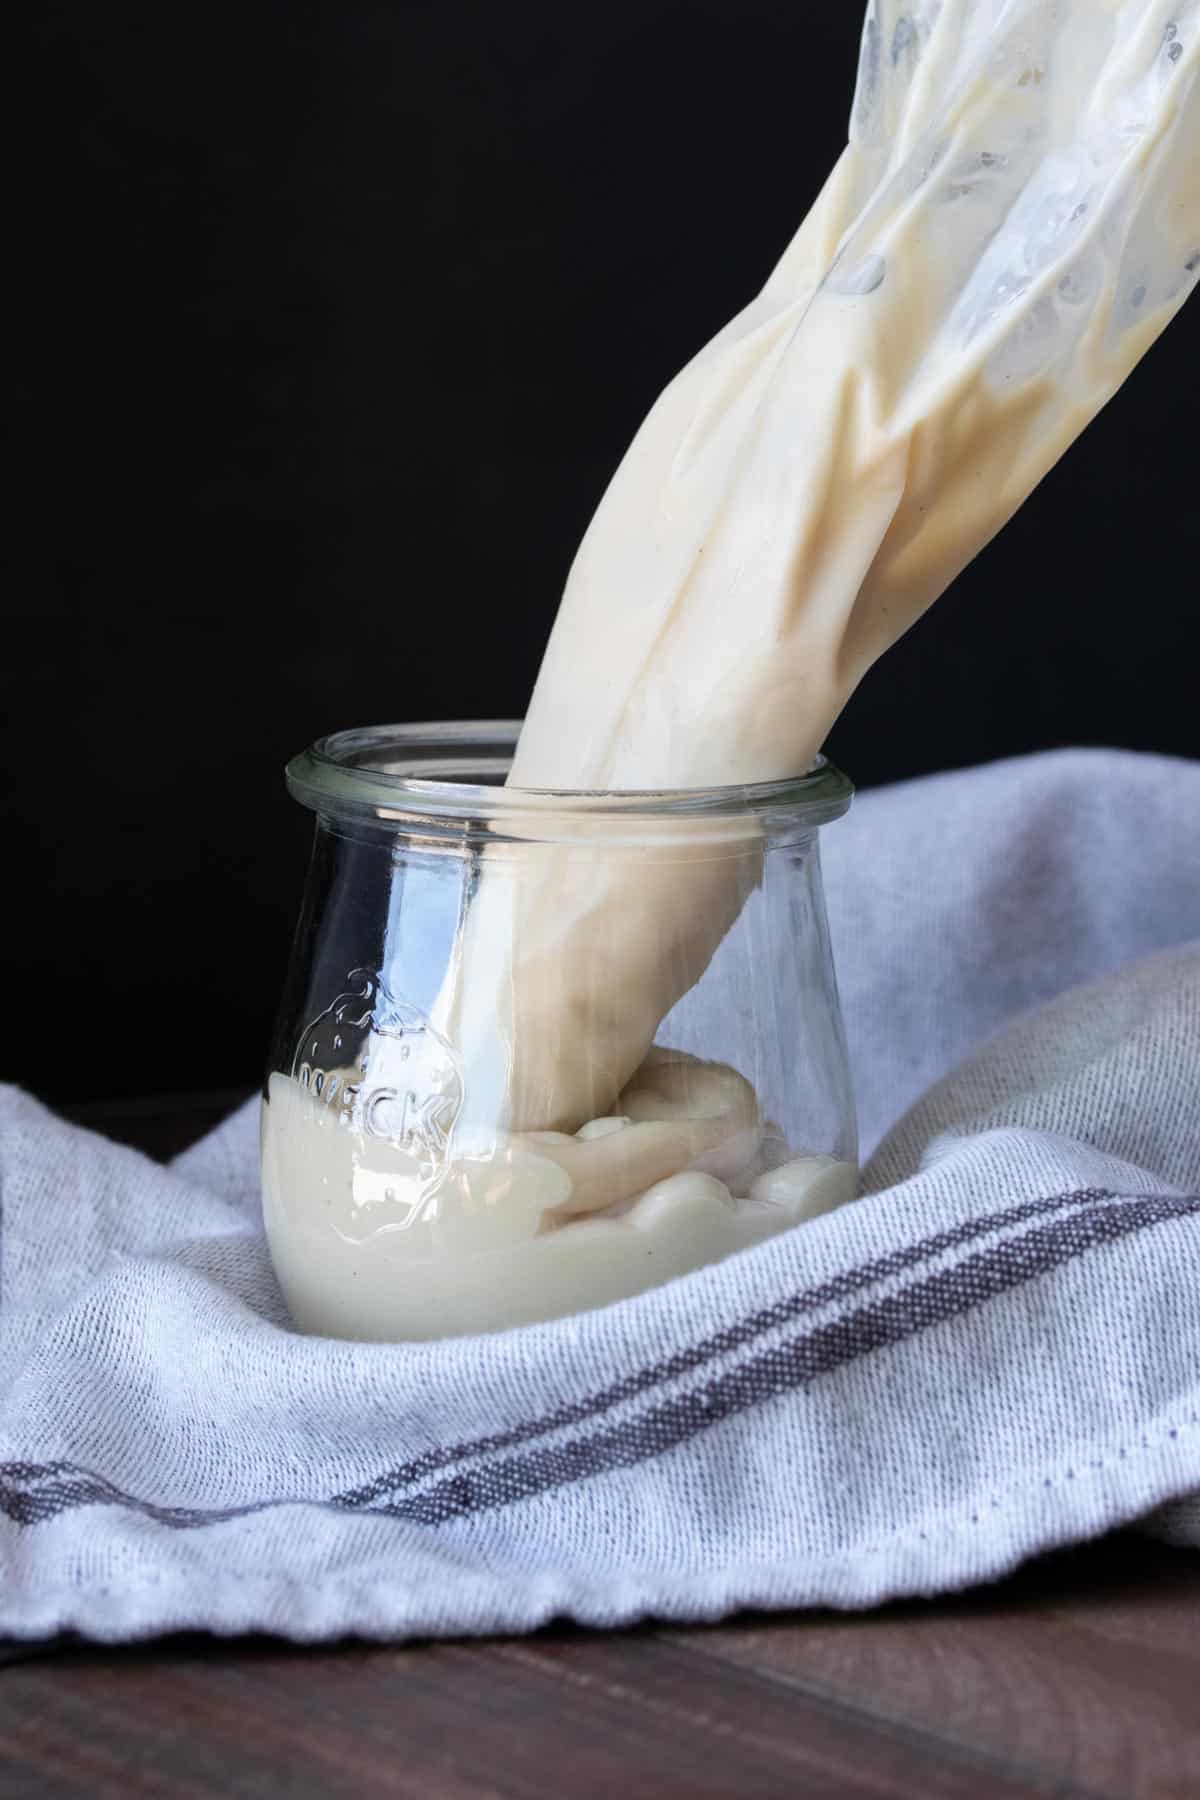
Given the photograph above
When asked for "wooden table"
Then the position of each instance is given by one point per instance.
(1079, 1676)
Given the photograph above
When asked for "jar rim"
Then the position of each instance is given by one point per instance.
(408, 772)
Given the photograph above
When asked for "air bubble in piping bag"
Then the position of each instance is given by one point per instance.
(1014, 221)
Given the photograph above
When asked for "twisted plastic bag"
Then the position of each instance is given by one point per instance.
(1014, 221)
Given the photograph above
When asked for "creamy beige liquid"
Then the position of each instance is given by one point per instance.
(1015, 220)
(364, 1249)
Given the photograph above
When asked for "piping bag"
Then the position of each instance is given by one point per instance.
(1015, 219)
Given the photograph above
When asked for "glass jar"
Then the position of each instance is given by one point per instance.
(539, 1051)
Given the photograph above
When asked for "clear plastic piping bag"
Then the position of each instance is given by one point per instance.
(1014, 221)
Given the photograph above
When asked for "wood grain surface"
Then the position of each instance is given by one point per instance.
(1078, 1676)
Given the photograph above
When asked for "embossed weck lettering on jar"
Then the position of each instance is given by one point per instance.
(375, 1064)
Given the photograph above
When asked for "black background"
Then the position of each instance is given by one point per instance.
(338, 321)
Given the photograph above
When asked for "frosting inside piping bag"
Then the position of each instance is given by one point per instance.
(1014, 221)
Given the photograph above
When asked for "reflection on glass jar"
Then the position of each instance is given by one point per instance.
(536, 1051)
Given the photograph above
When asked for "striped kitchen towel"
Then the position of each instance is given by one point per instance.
(995, 1350)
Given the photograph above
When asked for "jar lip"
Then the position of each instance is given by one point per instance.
(407, 771)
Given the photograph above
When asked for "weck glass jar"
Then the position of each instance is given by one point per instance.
(540, 1051)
